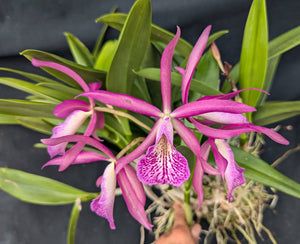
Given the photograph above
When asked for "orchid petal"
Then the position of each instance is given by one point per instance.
(230, 95)
(124, 101)
(197, 181)
(234, 174)
(69, 127)
(141, 149)
(99, 181)
(225, 118)
(162, 163)
(192, 62)
(187, 136)
(218, 133)
(79, 138)
(91, 126)
(166, 129)
(268, 132)
(69, 157)
(137, 186)
(103, 205)
(165, 72)
(82, 158)
(134, 205)
(63, 109)
(180, 70)
(213, 105)
(207, 168)
(61, 68)
(95, 86)
(221, 162)
(99, 124)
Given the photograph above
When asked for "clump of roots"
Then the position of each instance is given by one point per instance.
(238, 220)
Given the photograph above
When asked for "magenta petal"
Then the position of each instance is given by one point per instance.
(225, 118)
(187, 136)
(100, 121)
(166, 129)
(95, 86)
(213, 105)
(207, 168)
(163, 164)
(221, 162)
(141, 149)
(165, 72)
(63, 109)
(133, 201)
(192, 62)
(218, 133)
(79, 138)
(70, 156)
(197, 181)
(230, 95)
(124, 101)
(68, 127)
(268, 132)
(104, 204)
(82, 158)
(137, 186)
(61, 68)
(234, 174)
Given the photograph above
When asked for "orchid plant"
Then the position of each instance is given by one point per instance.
(116, 105)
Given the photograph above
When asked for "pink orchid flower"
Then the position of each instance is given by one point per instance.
(132, 189)
(162, 163)
(236, 124)
(76, 113)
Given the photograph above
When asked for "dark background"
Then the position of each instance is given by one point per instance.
(39, 25)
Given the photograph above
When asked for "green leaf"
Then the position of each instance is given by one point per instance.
(73, 221)
(254, 52)
(100, 38)
(196, 85)
(276, 47)
(133, 42)
(80, 52)
(271, 112)
(158, 34)
(26, 108)
(37, 124)
(258, 170)
(208, 70)
(34, 77)
(8, 119)
(271, 70)
(106, 55)
(87, 74)
(215, 36)
(284, 42)
(73, 92)
(39, 190)
(42, 92)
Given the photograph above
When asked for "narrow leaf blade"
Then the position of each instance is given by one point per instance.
(254, 52)
(37, 189)
(87, 74)
(80, 52)
(258, 170)
(133, 42)
(272, 112)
